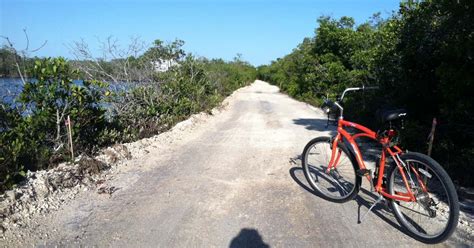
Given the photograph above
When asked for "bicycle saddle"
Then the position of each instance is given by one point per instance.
(391, 115)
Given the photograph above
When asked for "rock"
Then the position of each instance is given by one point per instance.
(91, 166)
(10, 195)
(115, 153)
(46, 190)
(107, 190)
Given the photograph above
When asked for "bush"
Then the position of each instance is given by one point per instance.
(35, 135)
(193, 86)
(422, 60)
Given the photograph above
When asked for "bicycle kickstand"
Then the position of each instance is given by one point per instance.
(370, 209)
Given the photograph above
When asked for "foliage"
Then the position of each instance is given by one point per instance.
(229, 76)
(435, 47)
(8, 60)
(421, 58)
(165, 52)
(33, 134)
(12, 147)
(194, 85)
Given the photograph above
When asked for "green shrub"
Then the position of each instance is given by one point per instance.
(193, 86)
(422, 60)
(35, 136)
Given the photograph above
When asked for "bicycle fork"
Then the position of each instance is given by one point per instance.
(335, 156)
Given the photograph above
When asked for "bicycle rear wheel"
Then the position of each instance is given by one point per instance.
(341, 184)
(433, 217)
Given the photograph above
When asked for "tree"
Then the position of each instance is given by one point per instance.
(19, 58)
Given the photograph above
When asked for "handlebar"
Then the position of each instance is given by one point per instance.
(332, 104)
(357, 89)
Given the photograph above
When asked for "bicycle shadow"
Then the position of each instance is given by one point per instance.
(370, 148)
(316, 124)
(379, 210)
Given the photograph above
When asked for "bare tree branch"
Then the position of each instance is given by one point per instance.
(27, 39)
(17, 63)
(23, 54)
(39, 48)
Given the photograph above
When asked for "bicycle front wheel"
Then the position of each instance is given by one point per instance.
(433, 217)
(341, 183)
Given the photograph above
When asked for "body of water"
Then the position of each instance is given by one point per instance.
(10, 88)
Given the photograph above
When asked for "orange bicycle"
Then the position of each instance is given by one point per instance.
(418, 189)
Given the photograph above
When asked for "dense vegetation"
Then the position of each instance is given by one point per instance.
(32, 131)
(8, 60)
(422, 58)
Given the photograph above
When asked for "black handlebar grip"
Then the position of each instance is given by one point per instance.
(328, 103)
(371, 88)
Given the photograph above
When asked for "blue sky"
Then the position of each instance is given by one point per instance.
(261, 30)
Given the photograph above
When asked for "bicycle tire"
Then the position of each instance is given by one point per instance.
(340, 190)
(421, 223)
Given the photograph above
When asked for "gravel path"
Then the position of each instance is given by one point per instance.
(229, 179)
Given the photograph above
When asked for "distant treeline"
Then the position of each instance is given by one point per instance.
(8, 60)
(421, 57)
(149, 101)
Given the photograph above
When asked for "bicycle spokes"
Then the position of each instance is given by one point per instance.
(429, 213)
(329, 171)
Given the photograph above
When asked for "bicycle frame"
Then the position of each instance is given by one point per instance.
(393, 151)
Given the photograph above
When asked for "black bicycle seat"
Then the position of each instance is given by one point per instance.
(391, 115)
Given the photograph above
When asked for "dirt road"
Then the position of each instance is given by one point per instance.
(232, 180)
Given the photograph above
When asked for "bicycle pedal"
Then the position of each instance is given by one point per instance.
(363, 172)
